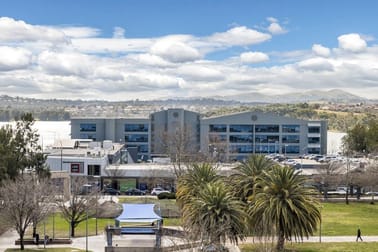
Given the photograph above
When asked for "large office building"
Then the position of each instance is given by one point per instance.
(227, 137)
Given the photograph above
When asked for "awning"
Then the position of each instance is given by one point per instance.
(138, 213)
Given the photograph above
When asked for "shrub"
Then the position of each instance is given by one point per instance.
(166, 195)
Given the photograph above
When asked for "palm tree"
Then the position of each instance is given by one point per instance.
(195, 177)
(245, 175)
(215, 215)
(283, 205)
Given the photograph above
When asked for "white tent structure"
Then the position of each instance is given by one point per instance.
(138, 219)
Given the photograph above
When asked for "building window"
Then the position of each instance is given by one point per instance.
(267, 128)
(290, 149)
(290, 128)
(218, 128)
(241, 128)
(88, 127)
(88, 136)
(77, 168)
(313, 129)
(136, 127)
(94, 170)
(267, 138)
(136, 138)
(241, 149)
(313, 150)
(314, 140)
(241, 139)
(215, 138)
(290, 138)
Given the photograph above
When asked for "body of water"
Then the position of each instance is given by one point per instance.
(50, 131)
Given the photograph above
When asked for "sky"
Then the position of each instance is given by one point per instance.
(120, 50)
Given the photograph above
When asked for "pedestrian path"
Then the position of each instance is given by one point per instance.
(97, 243)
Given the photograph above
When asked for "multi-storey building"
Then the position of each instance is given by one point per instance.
(228, 137)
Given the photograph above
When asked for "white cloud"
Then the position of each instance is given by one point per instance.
(320, 50)
(253, 57)
(272, 20)
(352, 42)
(111, 45)
(239, 36)
(275, 28)
(316, 65)
(14, 58)
(199, 73)
(150, 60)
(18, 31)
(175, 49)
(66, 63)
(43, 63)
(79, 32)
(118, 32)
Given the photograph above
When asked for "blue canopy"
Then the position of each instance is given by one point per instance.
(138, 213)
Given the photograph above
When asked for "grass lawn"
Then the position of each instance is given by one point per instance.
(61, 227)
(340, 219)
(316, 247)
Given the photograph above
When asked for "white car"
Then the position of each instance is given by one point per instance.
(158, 190)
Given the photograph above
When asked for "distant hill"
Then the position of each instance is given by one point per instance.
(334, 95)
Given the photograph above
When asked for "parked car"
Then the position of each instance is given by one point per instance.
(134, 191)
(371, 193)
(111, 191)
(158, 190)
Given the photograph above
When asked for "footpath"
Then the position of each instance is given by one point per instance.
(97, 243)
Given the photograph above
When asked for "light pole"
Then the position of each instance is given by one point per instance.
(86, 230)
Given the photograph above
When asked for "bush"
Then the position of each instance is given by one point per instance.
(166, 195)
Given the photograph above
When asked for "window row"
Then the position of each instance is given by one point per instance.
(258, 128)
(143, 138)
(272, 139)
(139, 127)
(91, 127)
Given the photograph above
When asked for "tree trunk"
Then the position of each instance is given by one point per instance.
(22, 247)
(281, 241)
(72, 229)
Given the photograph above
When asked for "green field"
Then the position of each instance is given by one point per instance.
(316, 247)
(340, 219)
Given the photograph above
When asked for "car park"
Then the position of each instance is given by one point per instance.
(158, 190)
(111, 191)
(134, 191)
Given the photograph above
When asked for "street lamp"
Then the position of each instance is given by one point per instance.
(86, 230)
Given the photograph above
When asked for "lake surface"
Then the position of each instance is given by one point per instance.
(50, 131)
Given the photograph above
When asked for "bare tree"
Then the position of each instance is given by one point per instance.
(181, 146)
(370, 178)
(25, 200)
(79, 207)
(328, 176)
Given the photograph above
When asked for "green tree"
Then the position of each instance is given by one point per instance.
(356, 140)
(215, 216)
(245, 174)
(20, 151)
(372, 136)
(283, 206)
(193, 180)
